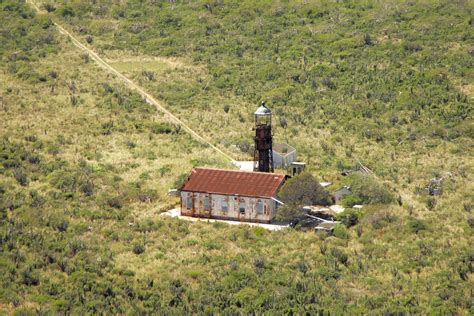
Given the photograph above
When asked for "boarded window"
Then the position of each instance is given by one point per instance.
(224, 205)
(189, 201)
(260, 207)
(242, 206)
(207, 202)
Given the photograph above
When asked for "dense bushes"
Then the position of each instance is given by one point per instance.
(350, 217)
(24, 38)
(366, 189)
(163, 128)
(304, 189)
(340, 231)
(138, 249)
(301, 190)
(417, 225)
(291, 59)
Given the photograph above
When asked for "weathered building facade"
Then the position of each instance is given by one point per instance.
(230, 194)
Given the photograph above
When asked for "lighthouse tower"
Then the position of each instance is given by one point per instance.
(263, 154)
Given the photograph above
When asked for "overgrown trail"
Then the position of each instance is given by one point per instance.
(133, 85)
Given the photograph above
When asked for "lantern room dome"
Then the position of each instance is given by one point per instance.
(263, 110)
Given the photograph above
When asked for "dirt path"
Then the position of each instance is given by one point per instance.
(149, 99)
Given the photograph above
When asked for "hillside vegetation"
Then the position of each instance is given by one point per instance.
(85, 163)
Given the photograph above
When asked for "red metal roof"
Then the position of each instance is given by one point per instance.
(233, 182)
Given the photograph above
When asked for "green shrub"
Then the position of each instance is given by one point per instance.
(194, 273)
(219, 225)
(340, 231)
(304, 189)
(163, 128)
(367, 189)
(115, 202)
(67, 12)
(417, 225)
(213, 244)
(29, 277)
(340, 256)
(245, 296)
(431, 203)
(259, 231)
(380, 218)
(259, 263)
(470, 222)
(87, 188)
(138, 249)
(192, 242)
(302, 266)
(20, 177)
(349, 217)
(49, 7)
(75, 246)
(179, 182)
(351, 199)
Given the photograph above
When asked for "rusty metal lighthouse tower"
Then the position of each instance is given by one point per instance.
(263, 154)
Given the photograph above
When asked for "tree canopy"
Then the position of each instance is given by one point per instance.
(366, 189)
(304, 189)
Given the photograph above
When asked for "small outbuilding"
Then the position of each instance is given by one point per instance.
(340, 193)
(231, 194)
(297, 167)
(283, 155)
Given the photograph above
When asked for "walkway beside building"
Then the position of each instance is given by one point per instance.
(176, 213)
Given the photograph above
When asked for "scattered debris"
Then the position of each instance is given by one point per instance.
(358, 168)
(317, 217)
(320, 211)
(337, 208)
(435, 186)
(345, 173)
(363, 168)
(323, 224)
(326, 226)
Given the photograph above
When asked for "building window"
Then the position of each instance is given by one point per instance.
(242, 206)
(189, 201)
(207, 202)
(224, 206)
(260, 207)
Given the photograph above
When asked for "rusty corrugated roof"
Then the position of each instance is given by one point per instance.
(233, 182)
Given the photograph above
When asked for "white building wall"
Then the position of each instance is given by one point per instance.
(282, 161)
(233, 207)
